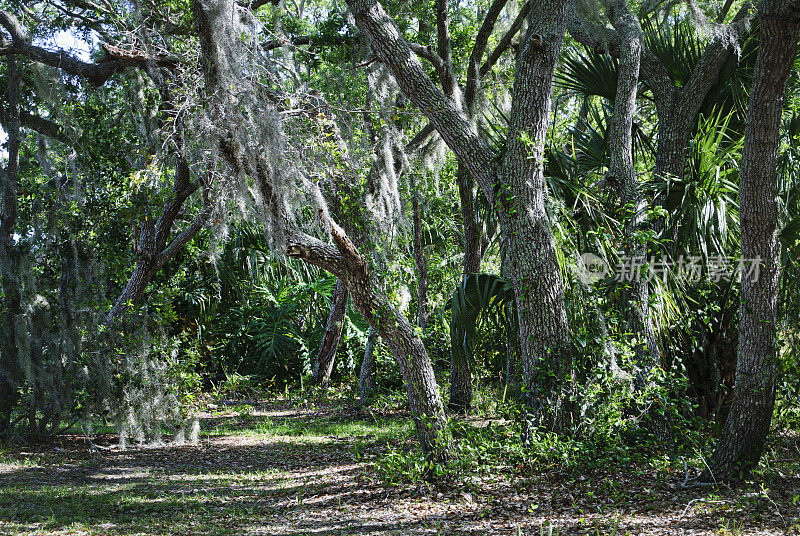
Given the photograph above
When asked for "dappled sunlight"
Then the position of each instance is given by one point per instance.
(273, 484)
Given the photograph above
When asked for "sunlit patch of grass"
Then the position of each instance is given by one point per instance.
(220, 487)
(248, 425)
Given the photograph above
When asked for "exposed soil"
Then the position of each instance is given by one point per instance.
(266, 484)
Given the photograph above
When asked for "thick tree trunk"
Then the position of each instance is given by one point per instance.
(366, 380)
(677, 109)
(747, 425)
(545, 341)
(326, 356)
(10, 257)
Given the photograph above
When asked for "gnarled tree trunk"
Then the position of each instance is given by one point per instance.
(545, 341)
(747, 425)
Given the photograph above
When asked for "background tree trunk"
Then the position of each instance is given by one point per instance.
(460, 369)
(419, 258)
(622, 174)
(10, 257)
(747, 425)
(366, 380)
(326, 356)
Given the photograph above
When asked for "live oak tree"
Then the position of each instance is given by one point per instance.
(513, 183)
(254, 149)
(677, 104)
(156, 244)
(746, 428)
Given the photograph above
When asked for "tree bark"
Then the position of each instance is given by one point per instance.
(10, 257)
(366, 380)
(545, 341)
(512, 182)
(460, 383)
(326, 356)
(472, 235)
(622, 174)
(423, 392)
(152, 245)
(396, 331)
(746, 428)
(213, 19)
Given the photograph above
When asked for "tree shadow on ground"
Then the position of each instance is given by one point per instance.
(301, 472)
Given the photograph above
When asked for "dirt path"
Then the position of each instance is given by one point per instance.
(263, 482)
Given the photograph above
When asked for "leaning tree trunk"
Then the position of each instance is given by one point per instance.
(326, 356)
(10, 257)
(250, 151)
(747, 425)
(405, 344)
(366, 380)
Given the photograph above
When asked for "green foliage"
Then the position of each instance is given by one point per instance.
(481, 304)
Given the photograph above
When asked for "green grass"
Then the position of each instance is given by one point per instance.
(247, 425)
(260, 472)
(189, 490)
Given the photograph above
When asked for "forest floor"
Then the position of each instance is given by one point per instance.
(274, 469)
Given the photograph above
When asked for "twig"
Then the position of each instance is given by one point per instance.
(699, 499)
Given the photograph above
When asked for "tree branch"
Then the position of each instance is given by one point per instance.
(706, 73)
(429, 54)
(607, 41)
(505, 41)
(455, 128)
(445, 51)
(187, 234)
(116, 58)
(43, 126)
(479, 48)
(256, 4)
